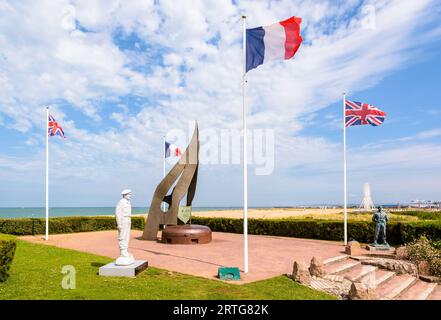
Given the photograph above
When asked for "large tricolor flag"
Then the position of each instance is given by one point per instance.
(171, 150)
(274, 42)
(358, 113)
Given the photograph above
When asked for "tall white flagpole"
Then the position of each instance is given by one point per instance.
(163, 165)
(245, 148)
(47, 173)
(344, 171)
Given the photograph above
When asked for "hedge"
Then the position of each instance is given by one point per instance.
(362, 231)
(7, 251)
(31, 226)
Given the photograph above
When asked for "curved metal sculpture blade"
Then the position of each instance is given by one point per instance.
(185, 171)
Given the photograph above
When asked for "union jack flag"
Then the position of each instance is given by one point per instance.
(54, 128)
(358, 113)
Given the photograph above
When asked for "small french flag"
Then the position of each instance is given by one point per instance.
(274, 42)
(171, 150)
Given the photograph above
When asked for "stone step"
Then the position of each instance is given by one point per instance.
(334, 277)
(335, 259)
(381, 276)
(340, 266)
(360, 258)
(436, 293)
(420, 290)
(358, 272)
(390, 289)
(377, 277)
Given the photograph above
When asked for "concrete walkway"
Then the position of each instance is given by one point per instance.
(269, 256)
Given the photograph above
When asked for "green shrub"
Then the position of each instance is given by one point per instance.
(362, 231)
(29, 226)
(437, 244)
(7, 251)
(423, 249)
(414, 230)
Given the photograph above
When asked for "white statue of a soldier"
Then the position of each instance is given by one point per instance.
(123, 215)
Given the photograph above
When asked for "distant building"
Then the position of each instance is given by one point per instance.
(425, 204)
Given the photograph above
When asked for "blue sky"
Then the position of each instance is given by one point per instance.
(118, 76)
(409, 96)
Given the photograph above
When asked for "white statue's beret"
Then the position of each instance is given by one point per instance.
(126, 191)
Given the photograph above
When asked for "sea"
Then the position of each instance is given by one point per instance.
(40, 212)
(81, 211)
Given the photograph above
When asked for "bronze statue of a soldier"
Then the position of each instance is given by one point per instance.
(380, 218)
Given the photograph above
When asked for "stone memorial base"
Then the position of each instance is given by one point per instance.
(380, 248)
(186, 234)
(112, 270)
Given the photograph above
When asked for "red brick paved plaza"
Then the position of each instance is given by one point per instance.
(269, 256)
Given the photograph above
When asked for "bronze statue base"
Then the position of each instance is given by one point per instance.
(381, 248)
(186, 234)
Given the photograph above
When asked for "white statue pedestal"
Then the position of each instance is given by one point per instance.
(132, 270)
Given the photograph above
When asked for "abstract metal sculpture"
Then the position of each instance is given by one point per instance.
(185, 172)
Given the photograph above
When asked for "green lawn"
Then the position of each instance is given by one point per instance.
(36, 274)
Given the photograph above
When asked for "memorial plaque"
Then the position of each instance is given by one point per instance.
(184, 213)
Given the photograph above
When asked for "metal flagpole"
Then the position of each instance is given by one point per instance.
(245, 159)
(344, 170)
(47, 173)
(163, 165)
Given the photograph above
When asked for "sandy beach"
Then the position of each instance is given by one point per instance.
(299, 213)
(267, 213)
(264, 213)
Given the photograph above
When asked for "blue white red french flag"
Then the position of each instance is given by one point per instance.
(275, 42)
(171, 150)
(54, 128)
(358, 113)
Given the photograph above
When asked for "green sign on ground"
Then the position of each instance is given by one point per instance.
(184, 213)
(228, 273)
